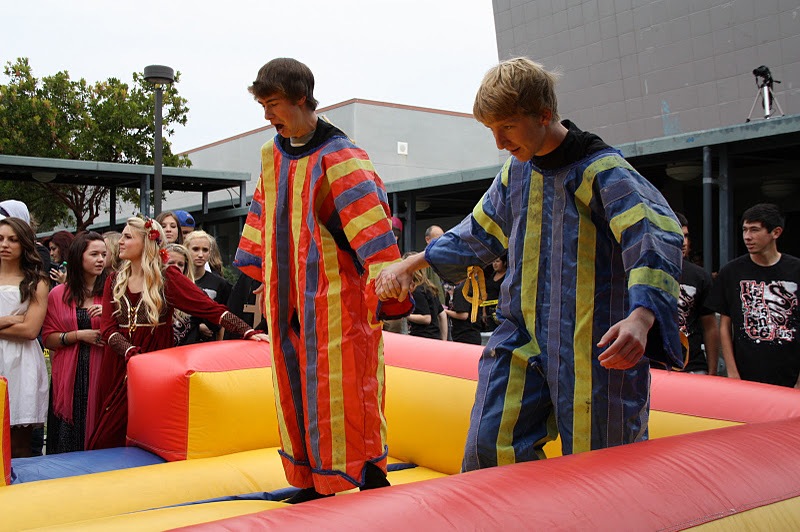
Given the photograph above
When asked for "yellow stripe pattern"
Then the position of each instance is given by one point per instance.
(269, 196)
(584, 307)
(334, 354)
(656, 278)
(347, 167)
(529, 278)
(638, 213)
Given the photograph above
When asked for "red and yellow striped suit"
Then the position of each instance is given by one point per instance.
(317, 234)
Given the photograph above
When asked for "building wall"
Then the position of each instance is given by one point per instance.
(437, 141)
(640, 69)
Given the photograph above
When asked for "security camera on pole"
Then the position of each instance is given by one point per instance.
(764, 92)
(158, 75)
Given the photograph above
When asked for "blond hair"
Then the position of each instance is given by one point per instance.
(420, 278)
(214, 257)
(152, 266)
(516, 86)
(111, 238)
(178, 248)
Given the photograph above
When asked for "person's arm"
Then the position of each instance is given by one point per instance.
(248, 258)
(87, 336)
(726, 341)
(711, 341)
(31, 325)
(110, 331)
(184, 295)
(454, 315)
(478, 239)
(419, 319)
(13, 319)
(394, 281)
(443, 327)
(651, 241)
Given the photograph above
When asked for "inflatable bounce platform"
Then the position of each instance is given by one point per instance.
(203, 439)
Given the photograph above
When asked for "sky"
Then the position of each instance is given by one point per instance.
(427, 53)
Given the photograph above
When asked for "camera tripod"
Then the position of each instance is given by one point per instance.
(764, 92)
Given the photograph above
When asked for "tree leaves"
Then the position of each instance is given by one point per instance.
(62, 118)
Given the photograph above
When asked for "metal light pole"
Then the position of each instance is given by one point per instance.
(158, 75)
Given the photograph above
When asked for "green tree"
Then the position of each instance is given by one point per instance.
(62, 118)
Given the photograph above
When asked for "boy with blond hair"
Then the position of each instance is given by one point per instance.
(594, 253)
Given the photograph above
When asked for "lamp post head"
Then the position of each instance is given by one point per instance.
(159, 74)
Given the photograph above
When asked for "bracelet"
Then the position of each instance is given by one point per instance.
(63, 338)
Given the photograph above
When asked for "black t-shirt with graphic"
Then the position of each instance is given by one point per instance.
(762, 304)
(426, 303)
(695, 285)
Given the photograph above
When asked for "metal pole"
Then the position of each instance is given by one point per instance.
(144, 195)
(158, 156)
(708, 250)
(112, 210)
(725, 209)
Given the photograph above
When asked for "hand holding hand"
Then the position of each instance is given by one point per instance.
(393, 282)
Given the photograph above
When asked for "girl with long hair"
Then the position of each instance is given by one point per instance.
(428, 319)
(72, 334)
(201, 245)
(23, 304)
(172, 228)
(181, 321)
(139, 302)
(111, 238)
(59, 247)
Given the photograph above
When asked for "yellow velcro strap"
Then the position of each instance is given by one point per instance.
(475, 283)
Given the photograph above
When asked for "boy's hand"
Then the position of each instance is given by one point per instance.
(628, 339)
(393, 282)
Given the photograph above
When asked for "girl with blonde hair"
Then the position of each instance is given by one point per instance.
(201, 246)
(139, 302)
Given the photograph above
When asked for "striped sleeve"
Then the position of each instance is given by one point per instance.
(249, 255)
(650, 236)
(361, 203)
(479, 238)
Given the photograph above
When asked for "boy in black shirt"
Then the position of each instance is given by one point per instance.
(756, 296)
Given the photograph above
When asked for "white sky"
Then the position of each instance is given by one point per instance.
(429, 53)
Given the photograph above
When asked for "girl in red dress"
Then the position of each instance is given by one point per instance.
(138, 306)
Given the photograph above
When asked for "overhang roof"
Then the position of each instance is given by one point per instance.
(72, 172)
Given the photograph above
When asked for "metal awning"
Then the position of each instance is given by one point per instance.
(120, 175)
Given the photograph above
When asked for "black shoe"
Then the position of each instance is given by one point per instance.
(374, 478)
(305, 495)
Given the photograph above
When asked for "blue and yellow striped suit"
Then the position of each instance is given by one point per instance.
(586, 244)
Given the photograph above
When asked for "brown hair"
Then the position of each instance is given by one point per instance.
(76, 290)
(516, 86)
(29, 262)
(287, 77)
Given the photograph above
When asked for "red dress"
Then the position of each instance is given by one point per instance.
(128, 332)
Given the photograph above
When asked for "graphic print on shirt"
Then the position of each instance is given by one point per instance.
(685, 306)
(767, 309)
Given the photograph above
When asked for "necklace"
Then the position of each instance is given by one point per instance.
(133, 312)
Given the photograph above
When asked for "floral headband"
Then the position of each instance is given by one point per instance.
(155, 235)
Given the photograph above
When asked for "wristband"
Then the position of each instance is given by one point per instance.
(63, 338)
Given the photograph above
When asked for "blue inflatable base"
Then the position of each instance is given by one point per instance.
(79, 463)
